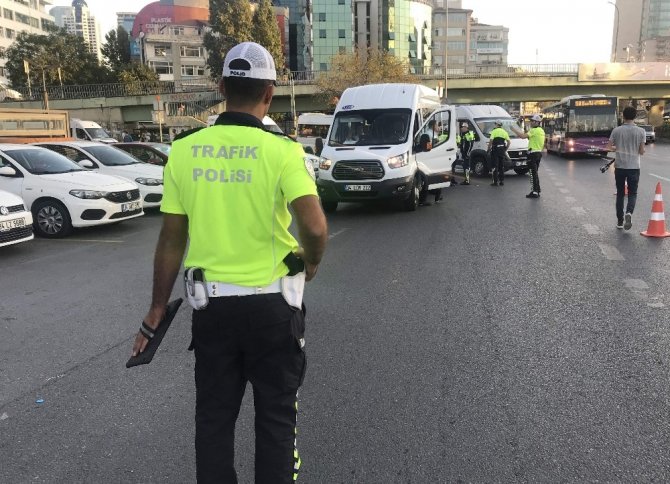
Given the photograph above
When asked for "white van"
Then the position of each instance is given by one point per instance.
(89, 131)
(312, 126)
(374, 149)
(268, 122)
(481, 120)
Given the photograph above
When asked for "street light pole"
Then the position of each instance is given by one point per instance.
(616, 32)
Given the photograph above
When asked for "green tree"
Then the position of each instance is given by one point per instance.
(116, 49)
(46, 55)
(138, 78)
(363, 66)
(231, 23)
(266, 32)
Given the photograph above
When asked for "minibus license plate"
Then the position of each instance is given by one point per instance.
(12, 224)
(357, 188)
(129, 207)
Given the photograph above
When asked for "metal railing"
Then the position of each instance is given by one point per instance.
(206, 84)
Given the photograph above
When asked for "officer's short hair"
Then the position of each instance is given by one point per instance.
(245, 91)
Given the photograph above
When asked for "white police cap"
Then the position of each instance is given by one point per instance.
(251, 61)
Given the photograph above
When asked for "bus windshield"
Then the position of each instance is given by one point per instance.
(370, 127)
(590, 121)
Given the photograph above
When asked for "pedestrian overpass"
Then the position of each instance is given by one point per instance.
(188, 103)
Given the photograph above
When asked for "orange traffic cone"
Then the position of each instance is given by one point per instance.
(656, 227)
(625, 189)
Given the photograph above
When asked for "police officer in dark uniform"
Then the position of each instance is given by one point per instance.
(227, 190)
(498, 143)
(465, 141)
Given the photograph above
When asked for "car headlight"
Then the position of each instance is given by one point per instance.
(88, 194)
(324, 163)
(149, 181)
(399, 161)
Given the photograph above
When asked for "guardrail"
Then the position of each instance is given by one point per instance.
(206, 84)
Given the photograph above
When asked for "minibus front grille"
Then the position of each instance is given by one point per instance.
(358, 170)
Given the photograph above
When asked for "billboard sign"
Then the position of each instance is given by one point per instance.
(629, 71)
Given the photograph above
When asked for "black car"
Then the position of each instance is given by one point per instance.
(154, 153)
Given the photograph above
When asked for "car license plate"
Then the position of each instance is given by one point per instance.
(129, 207)
(12, 224)
(357, 188)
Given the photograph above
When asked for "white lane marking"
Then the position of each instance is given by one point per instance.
(4, 416)
(570, 199)
(656, 305)
(578, 210)
(611, 253)
(564, 190)
(592, 229)
(335, 234)
(636, 284)
(559, 184)
(659, 176)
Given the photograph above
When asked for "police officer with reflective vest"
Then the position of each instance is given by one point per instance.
(226, 190)
(535, 137)
(498, 143)
(465, 141)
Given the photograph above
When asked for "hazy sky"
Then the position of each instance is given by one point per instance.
(565, 31)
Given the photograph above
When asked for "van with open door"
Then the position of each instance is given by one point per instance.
(376, 151)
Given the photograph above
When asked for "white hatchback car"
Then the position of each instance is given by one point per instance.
(16, 223)
(106, 159)
(61, 195)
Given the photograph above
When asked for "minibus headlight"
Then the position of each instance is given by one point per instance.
(399, 161)
(324, 163)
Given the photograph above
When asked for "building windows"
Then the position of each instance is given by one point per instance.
(456, 45)
(8, 14)
(342, 50)
(10, 34)
(340, 2)
(322, 17)
(192, 71)
(322, 33)
(162, 50)
(455, 32)
(341, 34)
(191, 51)
(323, 66)
(160, 67)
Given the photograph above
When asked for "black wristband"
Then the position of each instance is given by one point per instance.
(147, 331)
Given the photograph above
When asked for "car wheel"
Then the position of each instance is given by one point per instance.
(520, 171)
(329, 207)
(479, 166)
(51, 219)
(412, 202)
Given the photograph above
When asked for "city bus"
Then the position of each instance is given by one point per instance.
(580, 124)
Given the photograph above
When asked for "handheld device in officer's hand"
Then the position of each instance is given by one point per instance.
(156, 336)
(604, 168)
(195, 288)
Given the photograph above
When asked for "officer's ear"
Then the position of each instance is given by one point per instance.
(269, 93)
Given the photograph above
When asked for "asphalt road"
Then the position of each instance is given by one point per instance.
(489, 338)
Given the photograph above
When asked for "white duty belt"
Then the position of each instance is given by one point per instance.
(223, 289)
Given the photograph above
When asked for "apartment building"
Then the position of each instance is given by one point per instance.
(21, 16)
(79, 21)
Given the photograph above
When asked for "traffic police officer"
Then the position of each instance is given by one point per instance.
(227, 189)
(535, 137)
(498, 143)
(465, 141)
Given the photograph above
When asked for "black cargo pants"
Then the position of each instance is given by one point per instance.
(257, 339)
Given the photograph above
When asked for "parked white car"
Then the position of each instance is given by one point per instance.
(16, 223)
(61, 194)
(111, 161)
